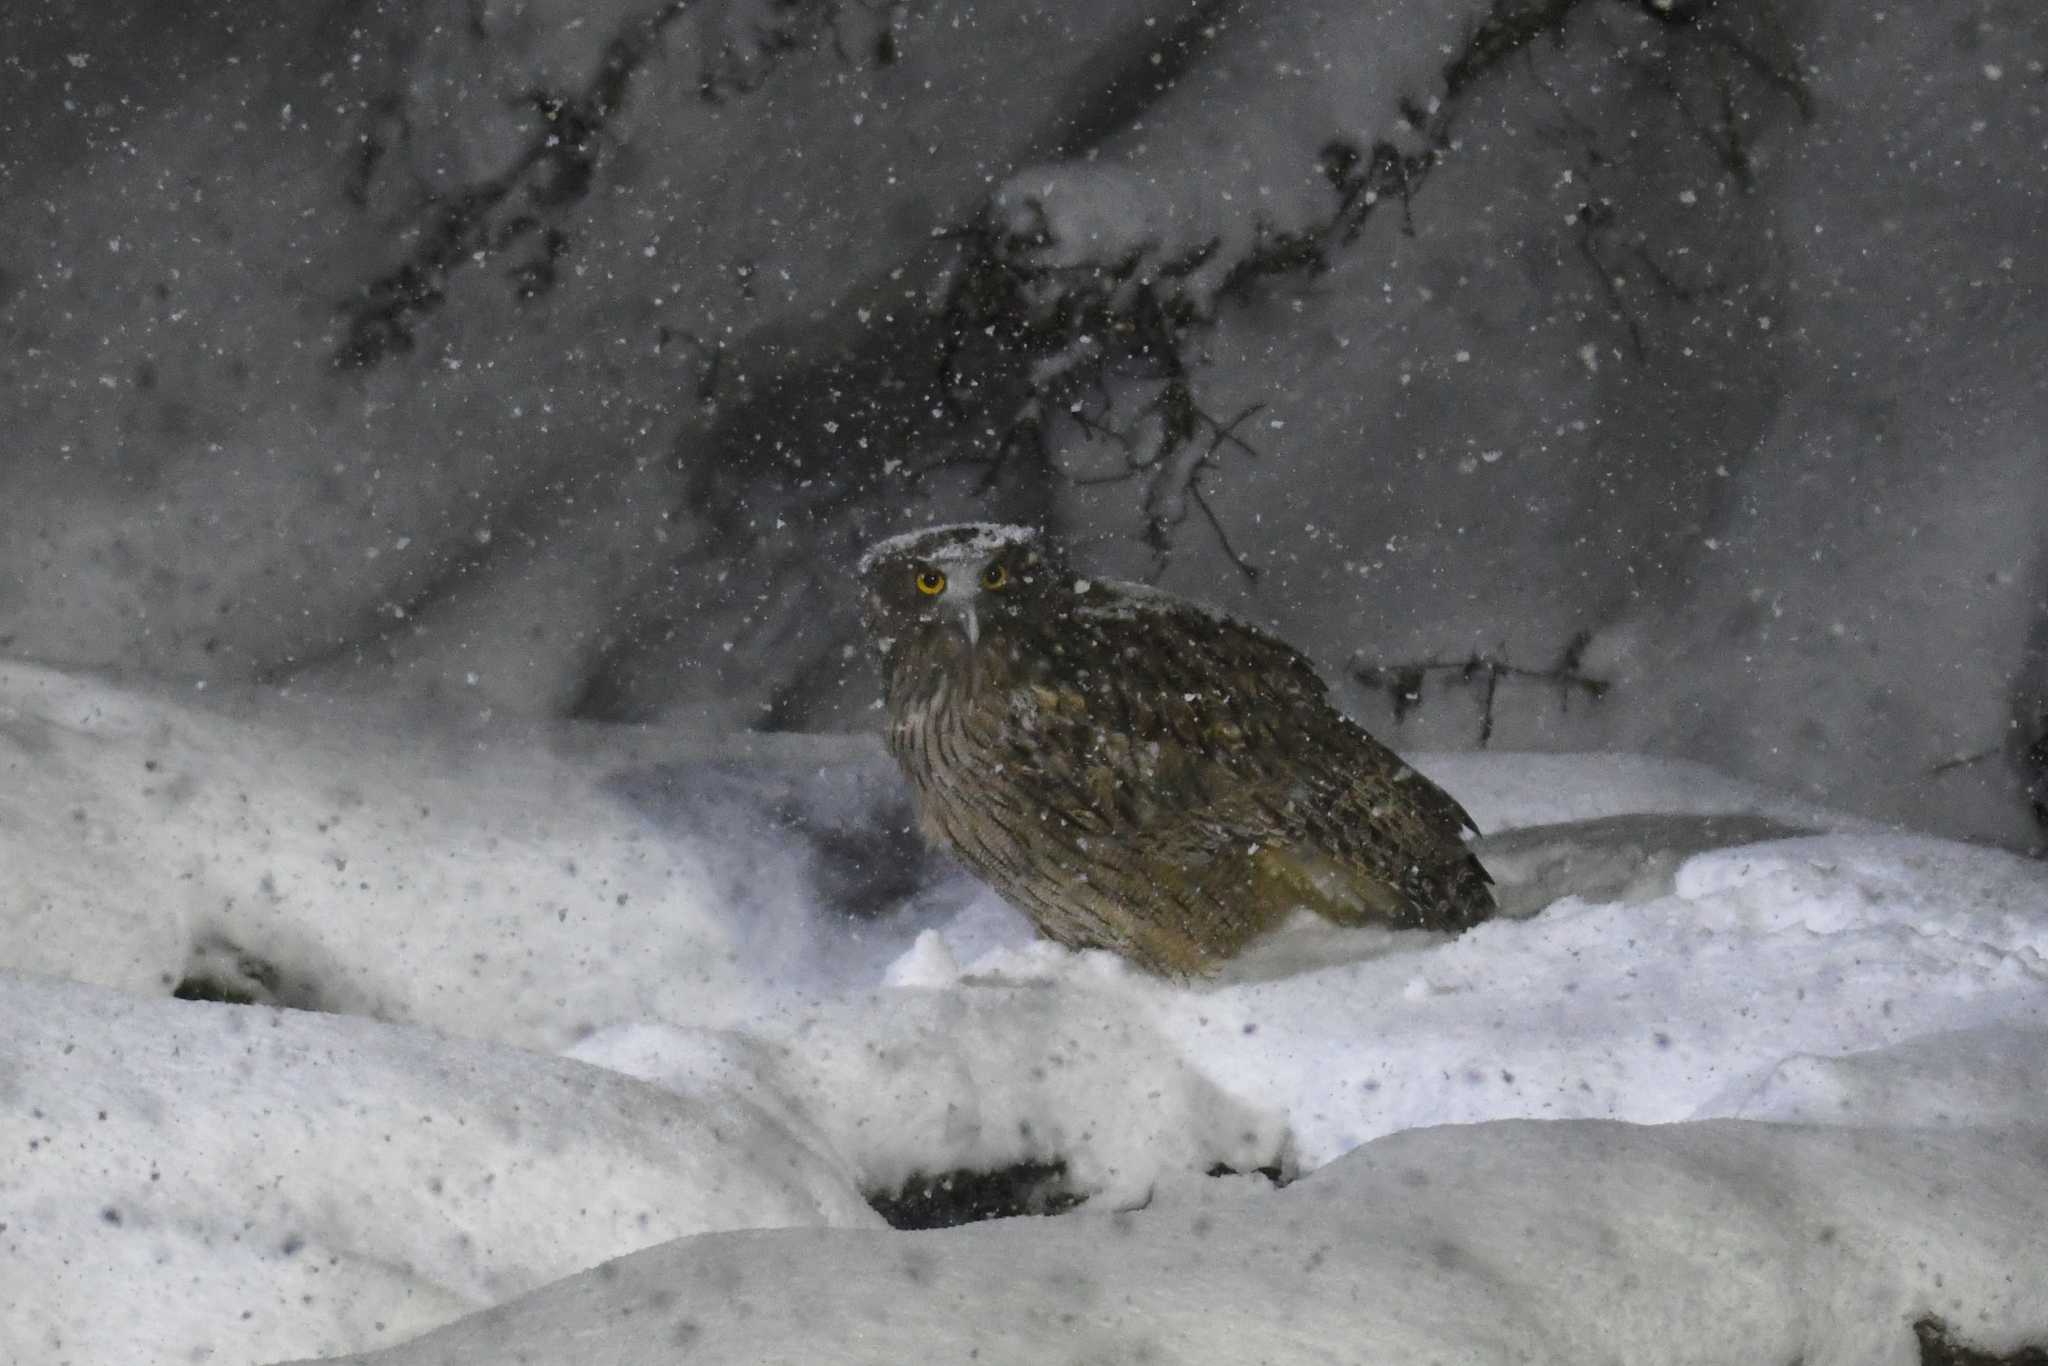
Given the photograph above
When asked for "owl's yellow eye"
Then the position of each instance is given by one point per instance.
(931, 583)
(994, 577)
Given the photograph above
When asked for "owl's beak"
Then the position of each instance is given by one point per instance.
(963, 611)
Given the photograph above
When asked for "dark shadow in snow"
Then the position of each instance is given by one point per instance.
(967, 1197)
(1937, 1348)
(222, 971)
(1276, 1175)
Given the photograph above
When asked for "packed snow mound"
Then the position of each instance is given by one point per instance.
(191, 1182)
(531, 884)
(1677, 1006)
(806, 1011)
(1673, 1007)
(1078, 1069)
(476, 880)
(1985, 897)
(1541, 1244)
(1994, 1075)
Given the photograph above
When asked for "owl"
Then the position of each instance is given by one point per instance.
(1136, 772)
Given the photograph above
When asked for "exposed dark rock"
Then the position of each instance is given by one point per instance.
(1937, 1348)
(224, 972)
(967, 1197)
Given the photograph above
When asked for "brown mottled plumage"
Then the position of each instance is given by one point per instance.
(1138, 773)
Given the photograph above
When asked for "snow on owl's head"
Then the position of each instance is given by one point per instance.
(958, 581)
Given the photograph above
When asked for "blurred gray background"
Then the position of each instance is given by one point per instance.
(1574, 374)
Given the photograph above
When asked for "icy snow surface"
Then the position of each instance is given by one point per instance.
(821, 1016)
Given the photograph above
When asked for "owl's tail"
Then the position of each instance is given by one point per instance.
(1463, 895)
(1449, 896)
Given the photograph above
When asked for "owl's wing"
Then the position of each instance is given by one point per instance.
(1187, 726)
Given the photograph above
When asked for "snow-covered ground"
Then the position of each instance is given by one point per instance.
(790, 1012)
(1545, 1244)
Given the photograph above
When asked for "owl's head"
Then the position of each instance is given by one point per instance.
(954, 585)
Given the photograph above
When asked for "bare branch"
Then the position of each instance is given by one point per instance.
(1403, 683)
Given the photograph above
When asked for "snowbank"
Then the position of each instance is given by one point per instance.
(1522, 1242)
(359, 861)
(1672, 1008)
(1994, 1075)
(798, 1016)
(192, 1182)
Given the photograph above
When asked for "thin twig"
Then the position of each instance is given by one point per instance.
(1403, 683)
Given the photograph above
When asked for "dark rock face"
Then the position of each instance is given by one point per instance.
(1938, 1348)
(967, 1197)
